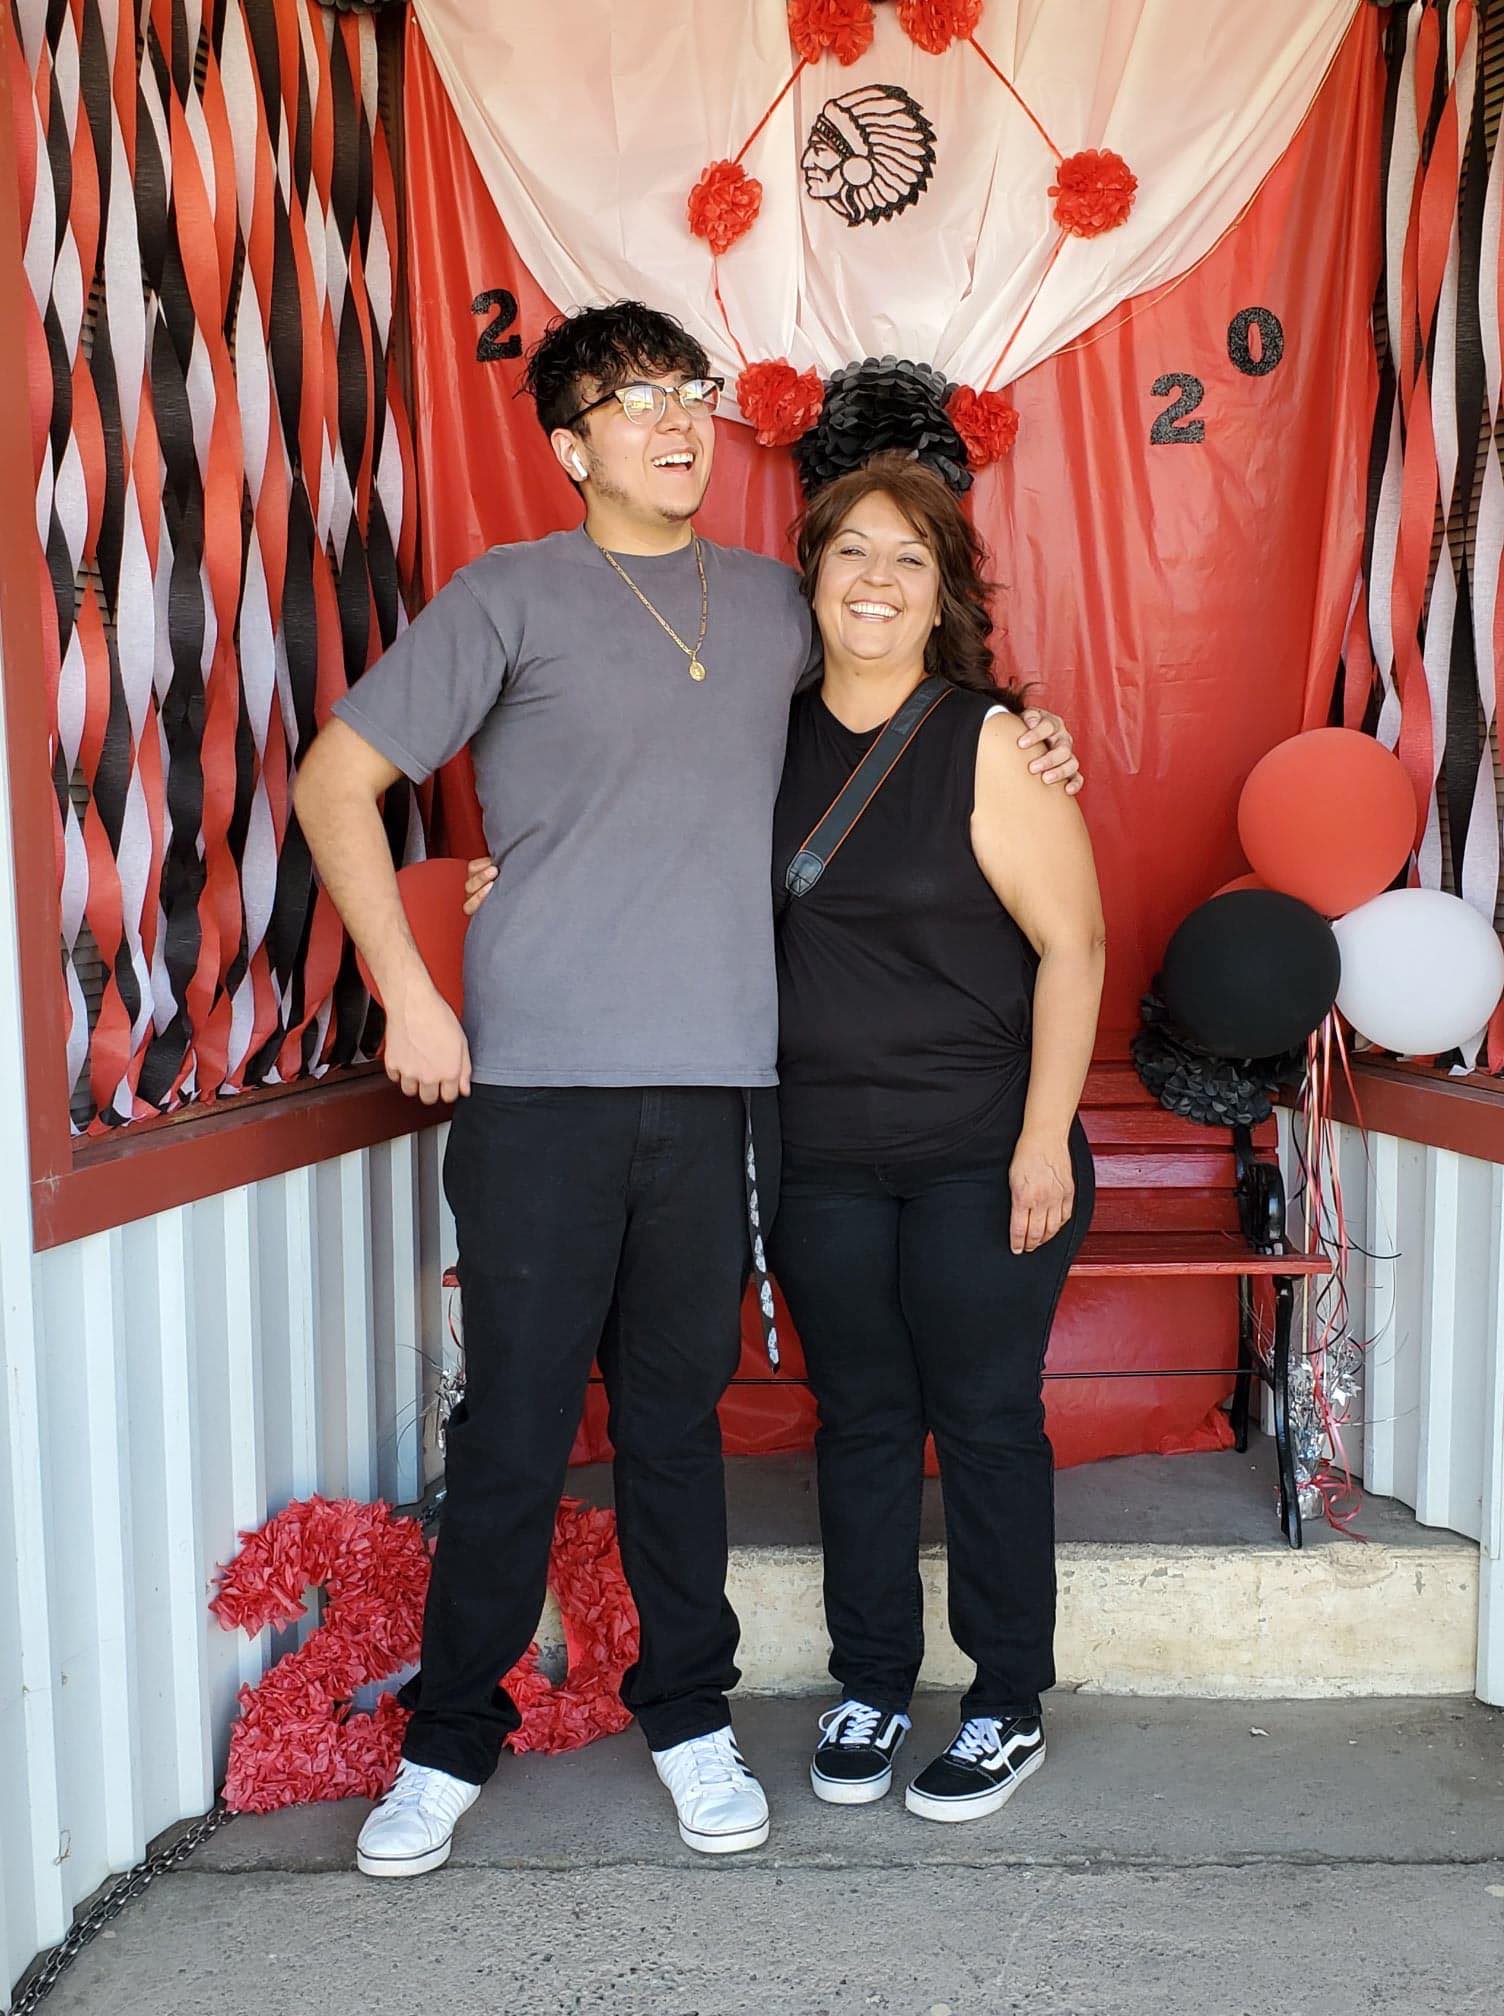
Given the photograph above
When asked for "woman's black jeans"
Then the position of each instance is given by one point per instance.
(914, 1315)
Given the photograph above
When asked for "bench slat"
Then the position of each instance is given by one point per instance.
(1177, 1168)
(1165, 1211)
(1204, 1253)
(1147, 1126)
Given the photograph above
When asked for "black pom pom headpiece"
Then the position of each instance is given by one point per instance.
(882, 404)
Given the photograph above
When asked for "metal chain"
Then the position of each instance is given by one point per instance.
(45, 1976)
(696, 664)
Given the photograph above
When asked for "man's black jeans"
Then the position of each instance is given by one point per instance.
(610, 1222)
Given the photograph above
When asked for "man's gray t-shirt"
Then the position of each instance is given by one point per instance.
(628, 939)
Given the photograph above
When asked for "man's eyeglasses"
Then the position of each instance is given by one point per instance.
(645, 405)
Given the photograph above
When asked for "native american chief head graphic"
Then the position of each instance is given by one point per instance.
(870, 154)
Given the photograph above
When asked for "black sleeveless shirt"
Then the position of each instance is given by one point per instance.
(905, 989)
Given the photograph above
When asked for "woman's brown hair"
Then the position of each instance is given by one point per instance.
(960, 647)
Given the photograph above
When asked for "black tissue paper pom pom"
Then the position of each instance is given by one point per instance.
(1217, 1091)
(883, 403)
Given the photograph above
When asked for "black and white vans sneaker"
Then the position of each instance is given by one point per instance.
(980, 1771)
(854, 1763)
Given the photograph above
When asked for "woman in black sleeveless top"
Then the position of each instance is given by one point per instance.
(938, 992)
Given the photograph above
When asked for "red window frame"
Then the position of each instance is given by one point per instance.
(81, 1186)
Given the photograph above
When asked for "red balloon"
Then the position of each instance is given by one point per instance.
(1242, 882)
(1329, 817)
(433, 900)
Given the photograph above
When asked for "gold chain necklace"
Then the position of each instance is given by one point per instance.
(696, 666)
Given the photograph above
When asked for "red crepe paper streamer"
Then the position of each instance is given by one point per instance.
(844, 28)
(297, 1739)
(723, 205)
(987, 422)
(935, 24)
(1093, 192)
(778, 402)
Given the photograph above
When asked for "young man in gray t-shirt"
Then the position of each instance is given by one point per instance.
(625, 690)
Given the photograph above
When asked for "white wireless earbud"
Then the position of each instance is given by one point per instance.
(577, 464)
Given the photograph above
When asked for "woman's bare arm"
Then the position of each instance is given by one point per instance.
(1035, 851)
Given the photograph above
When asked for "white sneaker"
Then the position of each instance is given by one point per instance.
(721, 1806)
(412, 1829)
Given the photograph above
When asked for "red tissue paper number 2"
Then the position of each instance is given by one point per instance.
(298, 1738)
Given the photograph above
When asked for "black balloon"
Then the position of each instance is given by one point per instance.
(1251, 973)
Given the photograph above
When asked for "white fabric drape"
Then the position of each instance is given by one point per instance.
(592, 122)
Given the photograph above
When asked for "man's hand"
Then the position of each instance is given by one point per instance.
(425, 1050)
(1057, 762)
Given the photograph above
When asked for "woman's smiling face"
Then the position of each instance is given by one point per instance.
(877, 595)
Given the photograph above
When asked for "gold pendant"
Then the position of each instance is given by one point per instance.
(696, 669)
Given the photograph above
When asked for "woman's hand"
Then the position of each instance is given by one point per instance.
(479, 875)
(1058, 763)
(1044, 1191)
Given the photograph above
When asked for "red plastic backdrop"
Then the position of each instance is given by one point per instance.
(1177, 536)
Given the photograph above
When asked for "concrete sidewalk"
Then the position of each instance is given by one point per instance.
(1175, 1858)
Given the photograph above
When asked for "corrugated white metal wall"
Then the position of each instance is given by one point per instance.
(167, 1385)
(162, 1387)
(1426, 1287)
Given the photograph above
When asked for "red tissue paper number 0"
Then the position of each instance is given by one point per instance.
(297, 1738)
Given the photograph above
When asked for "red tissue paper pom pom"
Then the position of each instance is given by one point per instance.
(298, 1739)
(723, 204)
(844, 27)
(600, 1635)
(987, 422)
(1093, 192)
(778, 402)
(935, 24)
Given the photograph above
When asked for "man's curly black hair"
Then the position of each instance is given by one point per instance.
(581, 356)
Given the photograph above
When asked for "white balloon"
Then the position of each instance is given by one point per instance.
(1421, 970)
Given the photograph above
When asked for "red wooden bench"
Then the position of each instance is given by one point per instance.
(1177, 1198)
(1174, 1199)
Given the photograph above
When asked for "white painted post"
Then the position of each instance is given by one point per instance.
(1441, 1313)
(36, 1906)
(172, 1697)
(1491, 1540)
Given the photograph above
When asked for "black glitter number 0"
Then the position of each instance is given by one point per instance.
(1271, 341)
(493, 345)
(1172, 425)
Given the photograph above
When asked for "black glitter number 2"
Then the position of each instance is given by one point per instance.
(1172, 425)
(493, 346)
